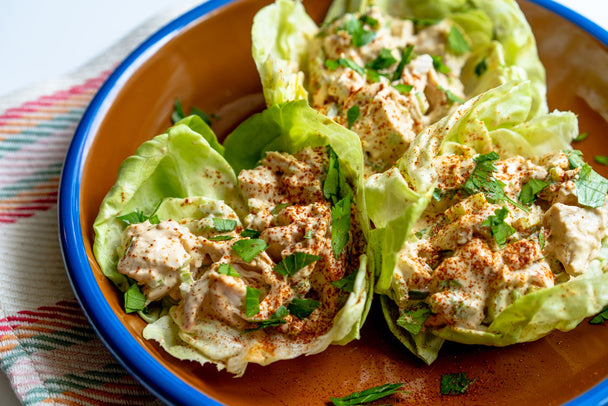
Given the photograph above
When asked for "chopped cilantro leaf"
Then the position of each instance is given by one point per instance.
(481, 180)
(360, 36)
(302, 308)
(291, 264)
(451, 95)
(221, 238)
(455, 384)
(581, 137)
(347, 283)
(403, 88)
(575, 158)
(252, 301)
(368, 395)
(350, 64)
(412, 319)
(457, 42)
(227, 269)
(138, 216)
(406, 57)
(249, 248)
(591, 187)
(134, 300)
(340, 225)
(600, 317)
(385, 59)
(530, 191)
(425, 22)
(204, 116)
(277, 318)
(369, 20)
(417, 295)
(334, 186)
(601, 159)
(224, 224)
(499, 229)
(481, 67)
(278, 208)
(178, 111)
(352, 114)
(332, 64)
(248, 232)
(438, 64)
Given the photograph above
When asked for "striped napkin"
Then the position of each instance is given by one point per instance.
(47, 348)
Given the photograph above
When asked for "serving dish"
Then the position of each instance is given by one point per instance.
(203, 58)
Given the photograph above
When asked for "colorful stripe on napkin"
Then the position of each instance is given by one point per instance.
(47, 348)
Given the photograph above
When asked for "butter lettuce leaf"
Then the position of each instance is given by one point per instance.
(178, 164)
(502, 119)
(280, 34)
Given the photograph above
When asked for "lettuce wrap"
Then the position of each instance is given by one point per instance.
(431, 210)
(192, 194)
(388, 69)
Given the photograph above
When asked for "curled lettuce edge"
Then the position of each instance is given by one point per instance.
(176, 164)
(180, 169)
(503, 113)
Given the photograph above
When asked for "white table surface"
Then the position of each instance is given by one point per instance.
(42, 40)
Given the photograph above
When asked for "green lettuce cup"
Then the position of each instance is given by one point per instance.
(493, 230)
(250, 251)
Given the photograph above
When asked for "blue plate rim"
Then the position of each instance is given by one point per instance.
(121, 344)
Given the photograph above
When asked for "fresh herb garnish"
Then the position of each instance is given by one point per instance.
(138, 216)
(134, 300)
(302, 308)
(352, 114)
(227, 269)
(360, 36)
(278, 208)
(178, 113)
(347, 283)
(403, 88)
(541, 238)
(425, 22)
(412, 319)
(451, 95)
(249, 248)
(406, 57)
(308, 234)
(369, 20)
(438, 64)
(340, 225)
(455, 384)
(581, 137)
(224, 224)
(277, 318)
(385, 59)
(529, 192)
(481, 67)
(499, 229)
(221, 238)
(417, 295)
(368, 395)
(457, 42)
(601, 159)
(291, 264)
(350, 64)
(482, 180)
(252, 301)
(600, 317)
(575, 158)
(591, 187)
(249, 233)
(334, 186)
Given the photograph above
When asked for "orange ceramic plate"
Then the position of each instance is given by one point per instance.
(204, 59)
